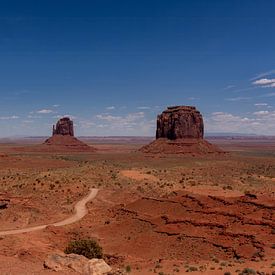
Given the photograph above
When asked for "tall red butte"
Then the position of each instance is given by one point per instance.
(63, 139)
(180, 130)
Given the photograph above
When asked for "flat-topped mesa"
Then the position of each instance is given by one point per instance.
(180, 122)
(64, 126)
(180, 130)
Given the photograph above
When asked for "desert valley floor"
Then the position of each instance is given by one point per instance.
(155, 214)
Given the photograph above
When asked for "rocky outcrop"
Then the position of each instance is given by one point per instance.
(62, 262)
(63, 138)
(180, 130)
(64, 127)
(4, 204)
(180, 122)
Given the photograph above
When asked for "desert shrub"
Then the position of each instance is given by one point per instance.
(88, 248)
(128, 269)
(192, 268)
(248, 271)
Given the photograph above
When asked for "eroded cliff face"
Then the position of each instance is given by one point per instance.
(63, 138)
(64, 126)
(180, 122)
(180, 130)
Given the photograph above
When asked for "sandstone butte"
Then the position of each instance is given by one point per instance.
(63, 138)
(180, 130)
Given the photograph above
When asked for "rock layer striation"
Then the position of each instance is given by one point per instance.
(180, 122)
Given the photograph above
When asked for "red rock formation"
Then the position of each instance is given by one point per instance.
(63, 138)
(180, 122)
(64, 127)
(180, 130)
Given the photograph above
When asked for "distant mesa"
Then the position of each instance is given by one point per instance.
(180, 130)
(64, 126)
(63, 139)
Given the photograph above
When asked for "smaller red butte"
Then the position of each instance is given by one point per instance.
(63, 138)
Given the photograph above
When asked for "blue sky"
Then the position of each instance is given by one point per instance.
(113, 65)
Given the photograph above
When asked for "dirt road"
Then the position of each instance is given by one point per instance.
(80, 211)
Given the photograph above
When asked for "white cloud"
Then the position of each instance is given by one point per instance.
(126, 119)
(33, 116)
(265, 82)
(86, 124)
(128, 124)
(263, 74)
(8, 117)
(45, 111)
(110, 108)
(143, 108)
(70, 116)
(260, 104)
(56, 105)
(261, 123)
(66, 115)
(261, 113)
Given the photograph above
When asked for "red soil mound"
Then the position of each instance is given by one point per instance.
(193, 227)
(65, 143)
(180, 146)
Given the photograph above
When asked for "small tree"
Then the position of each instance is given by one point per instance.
(88, 248)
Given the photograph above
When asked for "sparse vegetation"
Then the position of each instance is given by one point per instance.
(128, 268)
(88, 248)
(247, 271)
(192, 269)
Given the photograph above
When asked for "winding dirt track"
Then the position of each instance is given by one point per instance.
(80, 211)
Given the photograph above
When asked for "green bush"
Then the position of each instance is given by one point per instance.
(88, 248)
(128, 269)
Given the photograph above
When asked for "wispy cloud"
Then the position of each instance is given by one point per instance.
(192, 98)
(250, 88)
(265, 82)
(8, 117)
(260, 104)
(260, 75)
(261, 113)
(239, 98)
(66, 115)
(257, 123)
(229, 87)
(110, 108)
(45, 111)
(126, 124)
(144, 108)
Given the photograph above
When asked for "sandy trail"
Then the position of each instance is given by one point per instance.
(80, 211)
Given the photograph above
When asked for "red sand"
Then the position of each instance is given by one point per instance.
(180, 146)
(65, 143)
